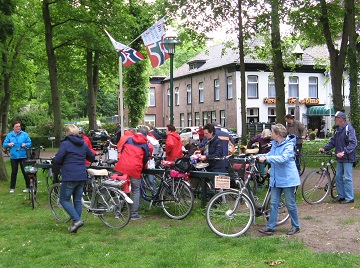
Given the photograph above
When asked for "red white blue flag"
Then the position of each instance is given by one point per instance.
(153, 39)
(128, 55)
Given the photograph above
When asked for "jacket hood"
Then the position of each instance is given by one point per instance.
(139, 138)
(75, 139)
(128, 133)
(175, 135)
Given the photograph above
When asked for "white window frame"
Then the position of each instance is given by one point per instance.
(197, 118)
(177, 96)
(189, 119)
(230, 89)
(293, 86)
(271, 88)
(201, 92)
(151, 97)
(182, 120)
(252, 115)
(150, 119)
(313, 87)
(188, 94)
(252, 86)
(216, 89)
(168, 97)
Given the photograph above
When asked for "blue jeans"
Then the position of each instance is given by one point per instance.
(290, 201)
(344, 183)
(74, 189)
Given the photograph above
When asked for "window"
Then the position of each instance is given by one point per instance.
(271, 88)
(149, 119)
(182, 120)
(252, 115)
(189, 119)
(197, 119)
(230, 92)
(151, 96)
(291, 110)
(293, 87)
(201, 92)
(222, 117)
(213, 116)
(177, 97)
(313, 87)
(188, 94)
(168, 97)
(205, 118)
(252, 87)
(272, 115)
(216, 89)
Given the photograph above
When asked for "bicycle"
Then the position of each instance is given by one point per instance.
(300, 161)
(231, 212)
(173, 194)
(105, 200)
(33, 154)
(318, 184)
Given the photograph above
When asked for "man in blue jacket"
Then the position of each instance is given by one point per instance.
(17, 140)
(344, 141)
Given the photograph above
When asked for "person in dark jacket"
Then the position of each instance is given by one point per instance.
(17, 140)
(213, 149)
(344, 141)
(71, 159)
(135, 154)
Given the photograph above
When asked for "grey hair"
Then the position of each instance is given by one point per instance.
(280, 130)
(143, 130)
(71, 130)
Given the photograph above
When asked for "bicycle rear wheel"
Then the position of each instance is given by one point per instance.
(333, 192)
(32, 193)
(302, 164)
(229, 214)
(177, 199)
(113, 210)
(283, 214)
(54, 201)
(316, 187)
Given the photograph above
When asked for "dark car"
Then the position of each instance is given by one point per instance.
(98, 137)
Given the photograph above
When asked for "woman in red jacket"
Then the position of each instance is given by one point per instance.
(173, 144)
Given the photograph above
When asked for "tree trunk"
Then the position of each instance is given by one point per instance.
(337, 58)
(3, 173)
(353, 68)
(91, 90)
(278, 65)
(5, 100)
(242, 77)
(55, 94)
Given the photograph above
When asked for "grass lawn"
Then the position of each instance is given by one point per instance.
(32, 238)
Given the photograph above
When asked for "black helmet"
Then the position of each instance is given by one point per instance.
(81, 130)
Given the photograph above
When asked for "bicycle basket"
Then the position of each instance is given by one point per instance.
(183, 164)
(33, 153)
(237, 167)
(29, 166)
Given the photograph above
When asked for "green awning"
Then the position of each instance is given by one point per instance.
(319, 111)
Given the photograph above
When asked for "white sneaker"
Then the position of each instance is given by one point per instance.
(26, 190)
(12, 190)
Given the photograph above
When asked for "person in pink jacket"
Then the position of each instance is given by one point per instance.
(173, 144)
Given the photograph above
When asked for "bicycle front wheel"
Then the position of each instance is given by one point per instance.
(112, 208)
(316, 187)
(177, 199)
(54, 201)
(283, 213)
(230, 214)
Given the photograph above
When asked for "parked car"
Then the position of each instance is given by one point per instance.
(190, 132)
(98, 137)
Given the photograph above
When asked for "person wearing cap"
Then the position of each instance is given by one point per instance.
(345, 142)
(295, 127)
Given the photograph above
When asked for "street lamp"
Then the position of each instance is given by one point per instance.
(170, 42)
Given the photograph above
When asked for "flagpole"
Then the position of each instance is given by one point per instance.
(121, 99)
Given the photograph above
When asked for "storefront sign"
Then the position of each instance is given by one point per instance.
(304, 101)
(269, 100)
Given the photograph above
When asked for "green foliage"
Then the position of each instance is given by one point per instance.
(312, 135)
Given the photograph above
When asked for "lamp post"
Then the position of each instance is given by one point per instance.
(170, 42)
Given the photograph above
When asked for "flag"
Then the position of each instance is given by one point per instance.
(128, 55)
(153, 40)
